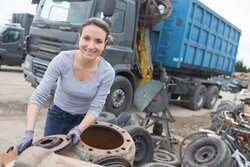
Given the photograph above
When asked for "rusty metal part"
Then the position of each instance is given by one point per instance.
(247, 111)
(70, 154)
(159, 102)
(55, 143)
(116, 161)
(150, 12)
(9, 156)
(102, 140)
(37, 156)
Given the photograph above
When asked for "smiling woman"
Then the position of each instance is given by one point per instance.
(84, 81)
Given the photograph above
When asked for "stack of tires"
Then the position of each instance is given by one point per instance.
(211, 151)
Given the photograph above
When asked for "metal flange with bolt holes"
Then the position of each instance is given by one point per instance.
(102, 140)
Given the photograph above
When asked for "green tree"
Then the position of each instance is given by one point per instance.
(240, 67)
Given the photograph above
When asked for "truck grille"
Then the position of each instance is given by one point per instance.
(39, 68)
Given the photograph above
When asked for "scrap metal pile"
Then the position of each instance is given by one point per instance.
(154, 11)
(228, 141)
(235, 84)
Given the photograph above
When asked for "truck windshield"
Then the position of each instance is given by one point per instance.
(72, 12)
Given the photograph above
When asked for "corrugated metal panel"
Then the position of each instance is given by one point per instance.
(195, 37)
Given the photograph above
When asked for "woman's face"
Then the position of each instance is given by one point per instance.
(92, 41)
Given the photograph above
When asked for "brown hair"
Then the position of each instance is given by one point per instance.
(99, 23)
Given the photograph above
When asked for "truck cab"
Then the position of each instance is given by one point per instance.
(11, 45)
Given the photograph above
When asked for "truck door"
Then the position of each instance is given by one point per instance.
(122, 29)
(120, 53)
(12, 47)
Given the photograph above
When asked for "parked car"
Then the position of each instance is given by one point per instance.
(12, 39)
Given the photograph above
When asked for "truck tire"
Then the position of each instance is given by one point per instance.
(123, 119)
(143, 143)
(107, 117)
(166, 157)
(120, 96)
(135, 119)
(156, 164)
(212, 96)
(1, 63)
(207, 151)
(197, 100)
(225, 105)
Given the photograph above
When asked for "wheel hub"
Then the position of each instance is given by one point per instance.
(140, 149)
(201, 99)
(205, 154)
(118, 98)
(213, 100)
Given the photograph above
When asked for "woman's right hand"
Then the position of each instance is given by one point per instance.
(25, 142)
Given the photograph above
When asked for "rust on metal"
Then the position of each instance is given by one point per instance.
(69, 154)
(8, 157)
(104, 139)
(37, 156)
(54, 143)
(110, 139)
(150, 12)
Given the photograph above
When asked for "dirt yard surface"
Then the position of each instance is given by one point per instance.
(15, 93)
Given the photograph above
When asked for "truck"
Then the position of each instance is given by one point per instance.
(181, 42)
(12, 37)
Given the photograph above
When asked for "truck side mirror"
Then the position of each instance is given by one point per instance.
(109, 8)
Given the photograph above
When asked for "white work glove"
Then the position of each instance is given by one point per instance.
(75, 135)
(25, 142)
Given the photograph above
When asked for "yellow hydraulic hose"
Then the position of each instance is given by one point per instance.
(141, 53)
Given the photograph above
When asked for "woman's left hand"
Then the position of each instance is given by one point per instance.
(74, 135)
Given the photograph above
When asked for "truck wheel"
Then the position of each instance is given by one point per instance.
(225, 105)
(120, 96)
(166, 157)
(143, 142)
(123, 119)
(107, 117)
(156, 164)
(207, 151)
(1, 63)
(212, 96)
(198, 98)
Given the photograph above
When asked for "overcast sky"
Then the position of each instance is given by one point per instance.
(235, 11)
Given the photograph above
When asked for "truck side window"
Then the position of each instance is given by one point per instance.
(11, 36)
(117, 20)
